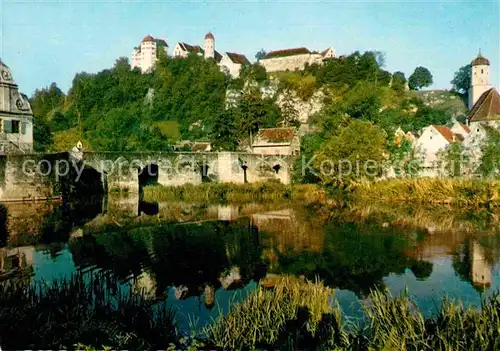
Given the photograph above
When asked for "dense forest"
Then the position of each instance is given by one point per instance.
(121, 109)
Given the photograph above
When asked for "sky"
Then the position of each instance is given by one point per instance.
(50, 41)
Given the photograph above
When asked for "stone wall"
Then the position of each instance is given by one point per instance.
(290, 63)
(37, 176)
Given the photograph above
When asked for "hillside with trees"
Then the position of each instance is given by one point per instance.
(121, 109)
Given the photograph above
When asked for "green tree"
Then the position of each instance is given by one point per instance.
(399, 81)
(462, 79)
(260, 54)
(420, 78)
(348, 156)
(490, 154)
(454, 160)
(224, 135)
(290, 115)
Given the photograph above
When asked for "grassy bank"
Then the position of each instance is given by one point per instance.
(468, 192)
(240, 193)
(295, 314)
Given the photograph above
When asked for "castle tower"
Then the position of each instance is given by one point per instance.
(480, 78)
(209, 45)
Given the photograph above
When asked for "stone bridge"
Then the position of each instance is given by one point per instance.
(38, 176)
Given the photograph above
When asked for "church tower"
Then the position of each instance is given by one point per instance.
(480, 78)
(209, 45)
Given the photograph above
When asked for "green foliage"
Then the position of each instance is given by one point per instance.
(490, 154)
(348, 156)
(454, 160)
(462, 79)
(349, 70)
(304, 85)
(420, 78)
(260, 54)
(398, 82)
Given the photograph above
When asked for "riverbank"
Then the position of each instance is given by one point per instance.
(461, 192)
(240, 193)
(294, 314)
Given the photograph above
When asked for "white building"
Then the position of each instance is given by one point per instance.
(233, 62)
(16, 117)
(293, 59)
(480, 79)
(434, 140)
(146, 54)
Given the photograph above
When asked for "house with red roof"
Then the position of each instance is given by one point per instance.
(146, 54)
(232, 63)
(294, 59)
(433, 141)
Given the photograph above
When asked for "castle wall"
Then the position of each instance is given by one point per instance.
(290, 63)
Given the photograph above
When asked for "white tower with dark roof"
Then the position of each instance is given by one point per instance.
(209, 45)
(480, 79)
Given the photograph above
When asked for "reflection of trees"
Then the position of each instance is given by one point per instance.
(117, 252)
(191, 256)
(354, 257)
(3, 225)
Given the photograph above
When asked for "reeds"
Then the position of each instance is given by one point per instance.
(91, 310)
(266, 317)
(237, 193)
(469, 192)
(297, 316)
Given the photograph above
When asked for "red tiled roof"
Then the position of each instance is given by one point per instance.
(238, 58)
(148, 38)
(275, 135)
(287, 52)
(191, 48)
(465, 127)
(446, 132)
(487, 108)
(209, 35)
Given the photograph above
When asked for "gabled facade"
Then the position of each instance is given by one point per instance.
(434, 139)
(16, 117)
(146, 54)
(233, 62)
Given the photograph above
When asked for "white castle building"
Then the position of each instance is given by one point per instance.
(294, 59)
(16, 117)
(230, 62)
(146, 54)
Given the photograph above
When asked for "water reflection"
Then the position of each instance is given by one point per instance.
(200, 256)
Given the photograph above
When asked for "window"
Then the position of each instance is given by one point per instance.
(430, 137)
(1, 126)
(482, 71)
(15, 127)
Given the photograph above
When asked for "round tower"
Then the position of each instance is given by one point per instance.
(209, 45)
(480, 78)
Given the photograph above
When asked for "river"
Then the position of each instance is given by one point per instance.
(201, 258)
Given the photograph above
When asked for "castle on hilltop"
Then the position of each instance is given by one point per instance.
(146, 54)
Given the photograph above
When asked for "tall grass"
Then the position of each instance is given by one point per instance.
(470, 192)
(298, 316)
(217, 192)
(271, 317)
(92, 311)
